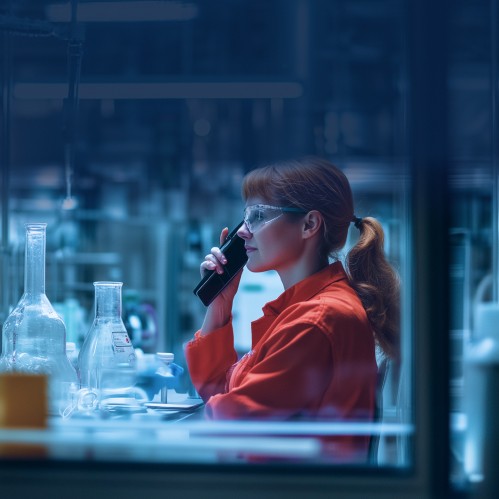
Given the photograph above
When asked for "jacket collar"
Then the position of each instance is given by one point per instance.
(306, 289)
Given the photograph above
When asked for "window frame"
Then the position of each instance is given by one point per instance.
(428, 474)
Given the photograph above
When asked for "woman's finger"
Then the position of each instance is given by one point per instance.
(223, 235)
(218, 255)
(216, 259)
(211, 263)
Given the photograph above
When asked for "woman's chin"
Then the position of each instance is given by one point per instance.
(255, 267)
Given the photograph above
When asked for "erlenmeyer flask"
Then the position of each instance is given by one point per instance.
(106, 361)
(33, 335)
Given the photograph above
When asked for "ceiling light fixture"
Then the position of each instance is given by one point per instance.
(164, 90)
(133, 11)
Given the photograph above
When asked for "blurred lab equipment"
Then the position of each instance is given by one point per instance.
(481, 403)
(107, 358)
(165, 371)
(33, 335)
(118, 392)
(141, 322)
(158, 373)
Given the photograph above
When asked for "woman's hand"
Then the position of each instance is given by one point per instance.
(220, 309)
(215, 260)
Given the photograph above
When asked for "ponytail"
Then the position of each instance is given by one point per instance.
(376, 284)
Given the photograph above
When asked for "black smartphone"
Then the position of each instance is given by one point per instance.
(212, 283)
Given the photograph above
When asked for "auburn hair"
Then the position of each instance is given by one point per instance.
(316, 184)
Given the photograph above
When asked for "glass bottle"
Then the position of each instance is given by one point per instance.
(107, 359)
(165, 372)
(33, 335)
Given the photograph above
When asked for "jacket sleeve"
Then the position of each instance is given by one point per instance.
(291, 376)
(209, 358)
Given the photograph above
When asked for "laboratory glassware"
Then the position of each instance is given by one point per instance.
(33, 335)
(106, 361)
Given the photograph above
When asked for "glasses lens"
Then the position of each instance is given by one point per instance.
(257, 216)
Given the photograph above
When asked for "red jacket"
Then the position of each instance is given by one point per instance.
(312, 357)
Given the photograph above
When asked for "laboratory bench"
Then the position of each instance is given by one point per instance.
(179, 453)
(178, 432)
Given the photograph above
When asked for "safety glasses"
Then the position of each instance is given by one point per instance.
(258, 215)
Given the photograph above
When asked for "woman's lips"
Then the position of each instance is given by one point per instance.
(249, 249)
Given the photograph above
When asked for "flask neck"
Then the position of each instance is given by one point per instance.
(108, 299)
(34, 264)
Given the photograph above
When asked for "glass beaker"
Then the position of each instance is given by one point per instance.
(33, 335)
(107, 350)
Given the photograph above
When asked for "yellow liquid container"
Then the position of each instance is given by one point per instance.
(23, 405)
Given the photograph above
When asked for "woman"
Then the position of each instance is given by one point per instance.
(313, 350)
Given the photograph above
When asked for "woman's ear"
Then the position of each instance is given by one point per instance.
(312, 224)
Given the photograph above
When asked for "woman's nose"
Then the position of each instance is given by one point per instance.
(243, 232)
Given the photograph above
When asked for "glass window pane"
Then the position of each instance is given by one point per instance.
(177, 103)
(473, 239)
